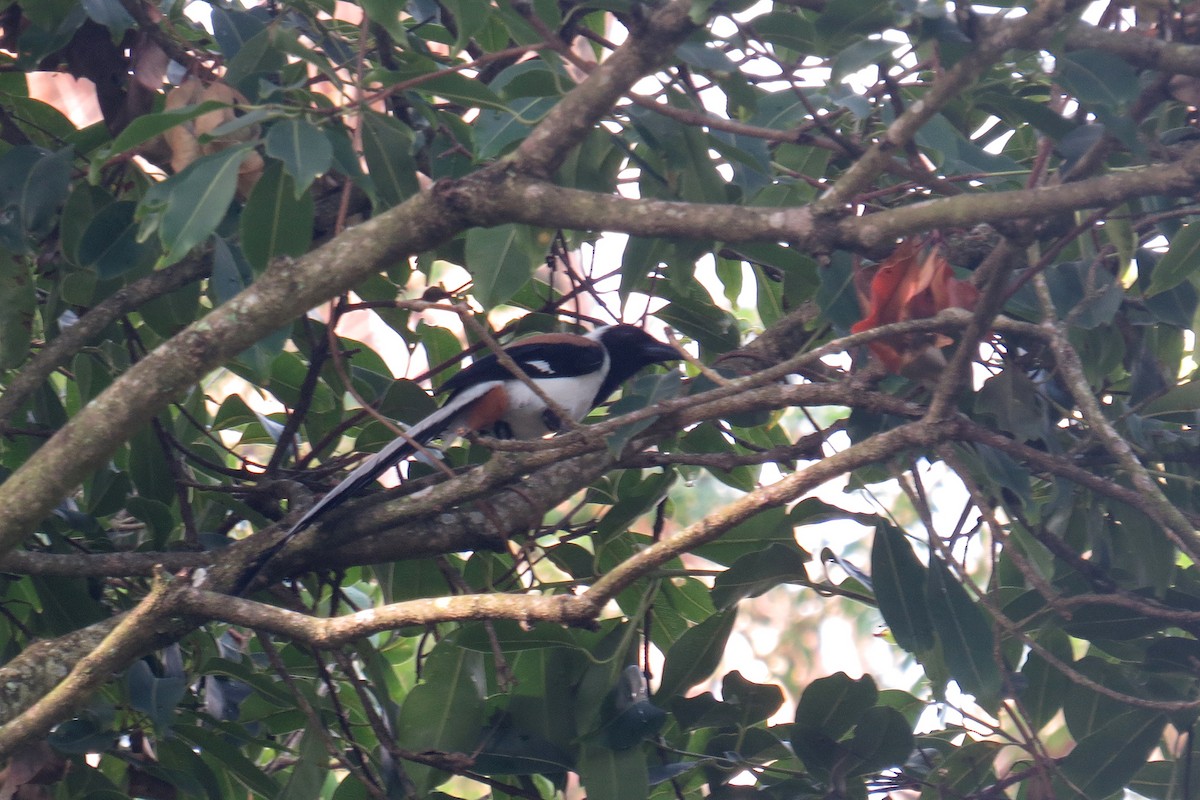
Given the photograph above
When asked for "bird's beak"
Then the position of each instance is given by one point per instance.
(659, 353)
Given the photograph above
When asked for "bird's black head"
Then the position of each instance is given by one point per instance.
(630, 349)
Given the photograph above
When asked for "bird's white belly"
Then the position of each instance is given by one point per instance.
(526, 410)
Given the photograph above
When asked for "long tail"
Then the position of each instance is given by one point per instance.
(363, 476)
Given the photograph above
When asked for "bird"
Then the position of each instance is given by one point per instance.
(577, 371)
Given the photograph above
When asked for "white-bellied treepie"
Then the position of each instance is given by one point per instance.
(578, 372)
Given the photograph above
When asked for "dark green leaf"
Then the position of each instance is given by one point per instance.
(308, 774)
(276, 220)
(188, 207)
(965, 635)
(146, 127)
(882, 738)
(609, 774)
(834, 704)
(231, 271)
(1097, 79)
(1180, 261)
(755, 701)
(501, 260)
(33, 185)
(1045, 685)
(109, 243)
(446, 711)
(899, 580)
(386, 148)
(109, 13)
(1107, 759)
(695, 655)
(154, 696)
(759, 571)
(304, 150)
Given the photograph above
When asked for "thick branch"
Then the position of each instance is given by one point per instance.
(124, 642)
(337, 631)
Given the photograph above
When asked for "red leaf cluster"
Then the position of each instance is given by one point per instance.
(909, 285)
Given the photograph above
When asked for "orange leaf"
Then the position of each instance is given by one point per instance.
(905, 287)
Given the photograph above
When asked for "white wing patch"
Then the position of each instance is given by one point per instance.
(537, 367)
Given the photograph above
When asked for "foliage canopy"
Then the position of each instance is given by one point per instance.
(1019, 373)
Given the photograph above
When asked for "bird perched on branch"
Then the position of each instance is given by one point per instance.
(576, 372)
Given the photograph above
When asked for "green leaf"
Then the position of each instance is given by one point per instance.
(277, 220)
(899, 580)
(645, 391)
(231, 272)
(232, 28)
(759, 571)
(111, 14)
(1012, 399)
(308, 773)
(304, 150)
(495, 131)
(965, 635)
(458, 88)
(757, 533)
(506, 750)
(147, 126)
(446, 711)
(1180, 261)
(387, 14)
(386, 148)
(835, 704)
(1097, 79)
(189, 206)
(786, 29)
(154, 696)
(882, 739)
(501, 260)
(470, 16)
(82, 204)
(1110, 621)
(109, 243)
(33, 185)
(609, 774)
(1106, 760)
(1044, 684)
(695, 655)
(1183, 399)
(755, 701)
(230, 758)
(964, 771)
(1085, 709)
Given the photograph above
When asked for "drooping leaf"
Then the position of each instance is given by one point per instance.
(277, 220)
(188, 207)
(33, 185)
(899, 581)
(501, 260)
(303, 149)
(695, 655)
(1107, 759)
(965, 635)
(386, 148)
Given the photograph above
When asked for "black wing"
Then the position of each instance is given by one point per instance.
(547, 356)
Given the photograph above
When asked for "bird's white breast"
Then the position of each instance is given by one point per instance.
(525, 408)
